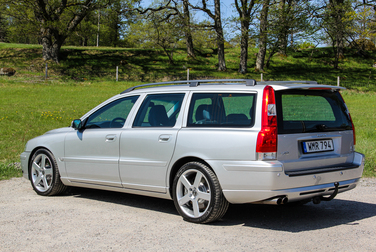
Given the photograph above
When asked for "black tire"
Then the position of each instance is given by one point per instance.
(44, 174)
(197, 194)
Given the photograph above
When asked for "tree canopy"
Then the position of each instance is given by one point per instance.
(272, 26)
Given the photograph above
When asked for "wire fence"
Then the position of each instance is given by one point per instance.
(119, 74)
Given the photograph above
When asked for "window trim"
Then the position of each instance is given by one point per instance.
(189, 110)
(101, 106)
(320, 93)
(141, 109)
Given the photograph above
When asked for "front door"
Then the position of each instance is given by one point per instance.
(92, 154)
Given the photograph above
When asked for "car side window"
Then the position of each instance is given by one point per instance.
(112, 115)
(222, 110)
(159, 110)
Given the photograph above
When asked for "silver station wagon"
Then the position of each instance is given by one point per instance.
(205, 144)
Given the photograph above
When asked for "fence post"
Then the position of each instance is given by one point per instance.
(262, 77)
(338, 81)
(46, 70)
(117, 73)
(187, 74)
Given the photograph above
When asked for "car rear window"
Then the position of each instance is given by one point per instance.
(300, 111)
(221, 110)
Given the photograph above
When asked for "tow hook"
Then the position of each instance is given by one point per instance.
(336, 184)
(318, 199)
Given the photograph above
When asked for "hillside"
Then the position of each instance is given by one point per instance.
(147, 65)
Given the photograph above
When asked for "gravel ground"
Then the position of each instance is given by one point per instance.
(93, 220)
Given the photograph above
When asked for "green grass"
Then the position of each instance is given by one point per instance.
(148, 65)
(362, 107)
(31, 110)
(31, 105)
(10, 170)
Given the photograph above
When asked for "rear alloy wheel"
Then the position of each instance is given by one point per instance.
(44, 174)
(197, 194)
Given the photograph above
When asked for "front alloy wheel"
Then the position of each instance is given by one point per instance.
(197, 194)
(44, 174)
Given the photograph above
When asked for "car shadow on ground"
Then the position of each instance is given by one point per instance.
(299, 218)
(132, 200)
(281, 218)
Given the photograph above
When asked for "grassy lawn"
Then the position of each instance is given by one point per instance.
(31, 105)
(31, 110)
(148, 65)
(362, 107)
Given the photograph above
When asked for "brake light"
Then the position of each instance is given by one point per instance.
(319, 88)
(266, 146)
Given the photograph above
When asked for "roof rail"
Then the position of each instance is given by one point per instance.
(292, 82)
(192, 83)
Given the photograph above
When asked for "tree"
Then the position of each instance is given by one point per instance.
(263, 36)
(336, 26)
(158, 30)
(56, 20)
(187, 29)
(288, 18)
(85, 32)
(166, 31)
(181, 11)
(362, 17)
(245, 13)
(3, 28)
(204, 36)
(217, 26)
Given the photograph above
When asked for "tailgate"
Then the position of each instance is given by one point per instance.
(315, 131)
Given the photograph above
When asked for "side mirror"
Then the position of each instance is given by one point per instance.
(77, 124)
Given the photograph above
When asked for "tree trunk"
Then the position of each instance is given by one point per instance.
(244, 47)
(220, 37)
(188, 33)
(3, 28)
(284, 27)
(51, 44)
(338, 12)
(263, 36)
(244, 11)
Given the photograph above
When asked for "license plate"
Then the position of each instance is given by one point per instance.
(318, 146)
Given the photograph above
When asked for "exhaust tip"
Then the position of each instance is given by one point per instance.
(285, 200)
(282, 201)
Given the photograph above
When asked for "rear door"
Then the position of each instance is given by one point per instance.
(146, 148)
(315, 131)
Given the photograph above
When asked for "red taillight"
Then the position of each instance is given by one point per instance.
(267, 137)
(352, 124)
(319, 88)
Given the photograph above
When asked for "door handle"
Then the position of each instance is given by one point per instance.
(110, 138)
(164, 138)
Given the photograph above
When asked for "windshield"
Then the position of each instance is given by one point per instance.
(300, 111)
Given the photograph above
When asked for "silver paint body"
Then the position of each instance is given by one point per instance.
(141, 160)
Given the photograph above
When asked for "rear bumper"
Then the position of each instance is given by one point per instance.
(292, 194)
(271, 182)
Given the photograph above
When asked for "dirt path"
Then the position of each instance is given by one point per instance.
(92, 220)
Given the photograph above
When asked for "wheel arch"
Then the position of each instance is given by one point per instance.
(179, 163)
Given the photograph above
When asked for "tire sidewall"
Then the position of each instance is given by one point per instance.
(204, 170)
(54, 172)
